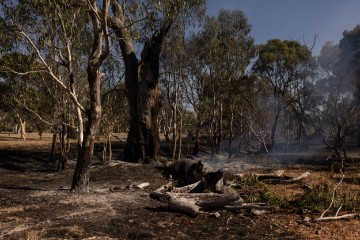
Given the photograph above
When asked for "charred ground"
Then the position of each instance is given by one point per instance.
(35, 202)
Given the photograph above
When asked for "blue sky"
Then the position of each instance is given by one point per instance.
(295, 19)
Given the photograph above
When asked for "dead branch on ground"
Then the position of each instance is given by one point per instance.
(336, 217)
(274, 177)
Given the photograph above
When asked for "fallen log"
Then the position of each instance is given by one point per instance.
(208, 193)
(192, 203)
(261, 176)
(249, 206)
(275, 177)
(184, 205)
(295, 179)
(289, 179)
(208, 200)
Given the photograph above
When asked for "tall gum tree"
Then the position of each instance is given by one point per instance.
(50, 31)
(100, 51)
(281, 64)
(222, 49)
(141, 75)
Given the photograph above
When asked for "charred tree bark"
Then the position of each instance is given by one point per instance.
(53, 147)
(81, 176)
(63, 149)
(141, 81)
(148, 95)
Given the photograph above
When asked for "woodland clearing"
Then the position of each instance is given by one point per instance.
(35, 202)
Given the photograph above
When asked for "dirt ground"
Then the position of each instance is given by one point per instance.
(35, 202)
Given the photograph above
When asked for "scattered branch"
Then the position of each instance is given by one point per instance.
(345, 216)
(336, 217)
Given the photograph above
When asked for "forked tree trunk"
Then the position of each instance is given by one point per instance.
(141, 81)
(22, 129)
(100, 51)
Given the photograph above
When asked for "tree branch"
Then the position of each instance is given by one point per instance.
(50, 72)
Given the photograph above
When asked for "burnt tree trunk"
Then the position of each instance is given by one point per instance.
(63, 148)
(53, 147)
(81, 176)
(148, 102)
(141, 81)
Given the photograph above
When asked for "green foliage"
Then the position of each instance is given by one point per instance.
(272, 199)
(281, 58)
(351, 200)
(316, 198)
(253, 190)
(19, 93)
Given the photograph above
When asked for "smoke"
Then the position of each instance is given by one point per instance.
(241, 162)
